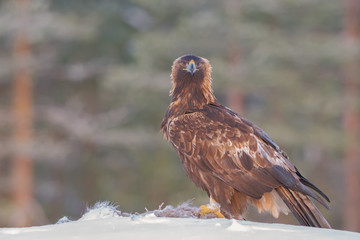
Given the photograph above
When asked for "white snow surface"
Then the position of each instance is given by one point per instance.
(104, 222)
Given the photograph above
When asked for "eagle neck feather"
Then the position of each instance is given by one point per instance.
(191, 96)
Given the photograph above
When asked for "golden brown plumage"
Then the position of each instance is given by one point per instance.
(230, 158)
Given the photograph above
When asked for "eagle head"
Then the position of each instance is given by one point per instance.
(191, 68)
(192, 75)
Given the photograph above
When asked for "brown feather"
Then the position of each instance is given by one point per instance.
(303, 208)
(230, 158)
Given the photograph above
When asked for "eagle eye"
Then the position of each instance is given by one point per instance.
(183, 64)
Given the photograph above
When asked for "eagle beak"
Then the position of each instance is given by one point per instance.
(191, 67)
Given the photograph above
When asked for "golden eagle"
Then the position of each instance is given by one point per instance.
(230, 158)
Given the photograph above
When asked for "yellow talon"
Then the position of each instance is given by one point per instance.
(206, 210)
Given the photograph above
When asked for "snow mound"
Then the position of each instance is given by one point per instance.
(101, 210)
(106, 209)
(105, 221)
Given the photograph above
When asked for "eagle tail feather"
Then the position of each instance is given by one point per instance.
(315, 210)
(306, 191)
(307, 183)
(295, 207)
(312, 186)
(302, 208)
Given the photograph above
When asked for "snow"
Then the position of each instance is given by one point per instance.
(105, 221)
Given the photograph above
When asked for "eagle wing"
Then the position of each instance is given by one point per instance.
(216, 143)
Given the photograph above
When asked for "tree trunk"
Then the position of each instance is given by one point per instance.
(235, 96)
(22, 174)
(351, 119)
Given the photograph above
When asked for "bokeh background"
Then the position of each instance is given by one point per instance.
(84, 86)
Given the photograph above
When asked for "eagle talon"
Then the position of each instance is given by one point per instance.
(210, 209)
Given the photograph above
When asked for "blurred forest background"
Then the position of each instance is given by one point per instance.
(84, 86)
